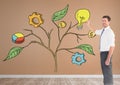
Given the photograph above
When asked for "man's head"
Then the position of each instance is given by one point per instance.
(106, 21)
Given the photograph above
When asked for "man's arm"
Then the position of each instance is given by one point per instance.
(107, 62)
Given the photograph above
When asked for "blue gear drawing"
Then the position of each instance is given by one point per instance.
(78, 55)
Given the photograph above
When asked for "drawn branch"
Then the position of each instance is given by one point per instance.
(47, 34)
(44, 31)
(67, 49)
(67, 32)
(74, 25)
(31, 33)
(77, 35)
(41, 42)
(32, 43)
(58, 30)
(49, 37)
(62, 38)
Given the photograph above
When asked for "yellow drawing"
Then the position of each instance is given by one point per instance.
(82, 15)
(62, 24)
(91, 34)
(35, 19)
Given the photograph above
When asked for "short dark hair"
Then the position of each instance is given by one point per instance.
(108, 17)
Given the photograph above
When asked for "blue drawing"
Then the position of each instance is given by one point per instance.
(80, 56)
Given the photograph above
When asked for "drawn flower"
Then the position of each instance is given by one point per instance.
(35, 19)
(78, 58)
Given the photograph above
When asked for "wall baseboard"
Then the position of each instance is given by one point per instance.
(55, 76)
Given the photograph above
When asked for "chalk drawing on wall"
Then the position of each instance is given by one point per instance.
(82, 16)
(91, 34)
(18, 38)
(37, 21)
(62, 24)
(78, 58)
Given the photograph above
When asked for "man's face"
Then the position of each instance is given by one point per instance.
(105, 22)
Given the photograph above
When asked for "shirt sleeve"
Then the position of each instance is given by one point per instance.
(112, 39)
(98, 32)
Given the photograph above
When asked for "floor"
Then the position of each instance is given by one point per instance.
(53, 81)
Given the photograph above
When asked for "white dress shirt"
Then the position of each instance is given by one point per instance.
(107, 38)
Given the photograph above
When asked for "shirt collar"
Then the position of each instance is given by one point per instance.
(108, 27)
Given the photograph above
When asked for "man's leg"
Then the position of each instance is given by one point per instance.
(106, 70)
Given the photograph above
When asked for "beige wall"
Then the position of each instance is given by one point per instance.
(37, 60)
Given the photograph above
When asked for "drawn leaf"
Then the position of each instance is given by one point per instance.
(86, 47)
(60, 14)
(13, 53)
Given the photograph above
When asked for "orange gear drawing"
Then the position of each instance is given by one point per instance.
(36, 16)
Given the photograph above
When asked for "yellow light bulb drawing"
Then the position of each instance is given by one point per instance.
(82, 15)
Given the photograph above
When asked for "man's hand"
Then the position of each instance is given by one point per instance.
(107, 62)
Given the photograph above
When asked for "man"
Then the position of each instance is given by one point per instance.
(107, 45)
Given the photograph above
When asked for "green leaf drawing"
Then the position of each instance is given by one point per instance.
(13, 53)
(86, 47)
(60, 14)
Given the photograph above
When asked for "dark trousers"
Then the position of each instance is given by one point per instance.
(106, 70)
